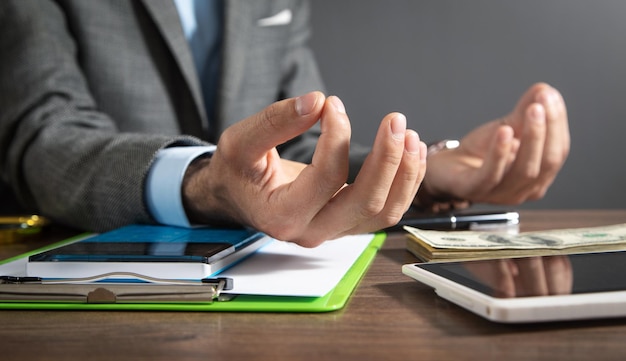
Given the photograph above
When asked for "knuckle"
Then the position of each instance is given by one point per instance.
(539, 193)
(337, 181)
(309, 242)
(518, 200)
(553, 162)
(392, 157)
(294, 234)
(226, 142)
(391, 219)
(269, 118)
(490, 181)
(410, 173)
(371, 208)
(282, 232)
(332, 180)
(527, 174)
(530, 173)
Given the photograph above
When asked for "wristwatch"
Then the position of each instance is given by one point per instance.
(442, 145)
(426, 201)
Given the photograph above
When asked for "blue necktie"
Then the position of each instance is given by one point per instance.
(205, 45)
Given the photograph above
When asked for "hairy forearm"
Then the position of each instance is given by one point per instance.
(203, 199)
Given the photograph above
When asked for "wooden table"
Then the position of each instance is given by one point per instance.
(389, 317)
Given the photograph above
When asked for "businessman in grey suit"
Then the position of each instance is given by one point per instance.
(98, 99)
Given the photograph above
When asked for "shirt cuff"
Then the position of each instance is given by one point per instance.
(163, 188)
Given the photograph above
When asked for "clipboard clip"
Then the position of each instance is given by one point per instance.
(18, 279)
(111, 288)
(228, 282)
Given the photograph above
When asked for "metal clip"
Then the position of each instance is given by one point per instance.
(104, 289)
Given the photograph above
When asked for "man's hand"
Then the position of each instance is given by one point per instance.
(246, 182)
(509, 160)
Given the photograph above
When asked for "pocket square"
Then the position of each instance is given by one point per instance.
(281, 18)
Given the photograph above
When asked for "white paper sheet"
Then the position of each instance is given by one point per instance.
(285, 269)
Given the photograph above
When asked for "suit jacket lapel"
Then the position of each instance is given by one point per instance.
(237, 25)
(239, 42)
(239, 22)
(166, 17)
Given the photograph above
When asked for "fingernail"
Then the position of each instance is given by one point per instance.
(338, 104)
(398, 126)
(306, 103)
(547, 97)
(537, 113)
(505, 136)
(412, 142)
(423, 152)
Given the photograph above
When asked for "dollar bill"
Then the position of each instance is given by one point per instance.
(442, 245)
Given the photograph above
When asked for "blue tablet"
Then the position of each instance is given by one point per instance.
(154, 251)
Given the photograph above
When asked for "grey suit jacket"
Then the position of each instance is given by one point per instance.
(90, 91)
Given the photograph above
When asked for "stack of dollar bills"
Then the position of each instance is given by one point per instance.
(437, 246)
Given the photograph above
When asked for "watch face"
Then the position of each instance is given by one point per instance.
(442, 145)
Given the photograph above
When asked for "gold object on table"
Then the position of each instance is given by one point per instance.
(16, 228)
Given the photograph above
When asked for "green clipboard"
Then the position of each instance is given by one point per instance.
(334, 300)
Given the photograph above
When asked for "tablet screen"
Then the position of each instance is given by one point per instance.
(538, 276)
(132, 252)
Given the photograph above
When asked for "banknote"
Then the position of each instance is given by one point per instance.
(443, 245)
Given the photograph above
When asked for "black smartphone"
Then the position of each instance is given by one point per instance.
(464, 219)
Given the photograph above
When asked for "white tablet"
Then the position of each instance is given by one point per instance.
(532, 289)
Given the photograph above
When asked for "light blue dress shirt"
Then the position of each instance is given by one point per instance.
(201, 21)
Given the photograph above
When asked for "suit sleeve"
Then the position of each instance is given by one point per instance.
(60, 154)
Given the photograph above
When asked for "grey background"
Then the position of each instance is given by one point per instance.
(452, 65)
